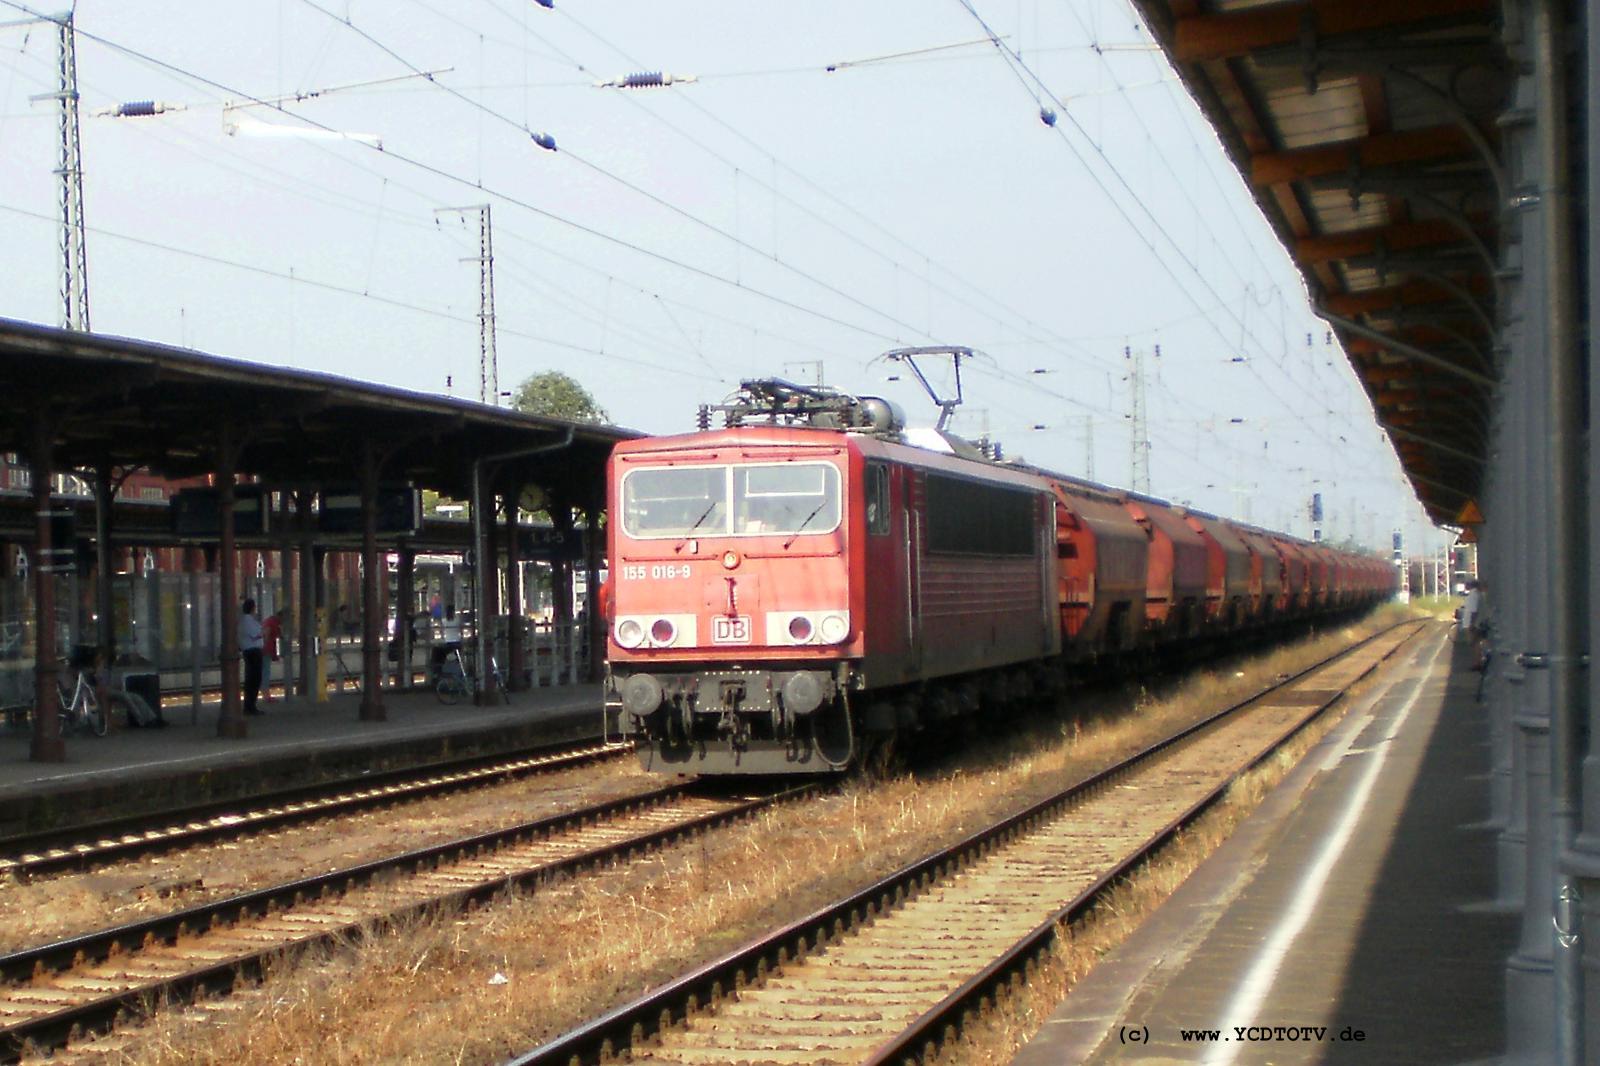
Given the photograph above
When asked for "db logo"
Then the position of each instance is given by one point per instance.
(725, 630)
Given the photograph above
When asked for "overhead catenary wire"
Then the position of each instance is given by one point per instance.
(1033, 85)
(1040, 335)
(498, 194)
(661, 201)
(631, 309)
(297, 278)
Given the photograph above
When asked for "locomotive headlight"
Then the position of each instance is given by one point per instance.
(629, 633)
(662, 631)
(835, 627)
(799, 629)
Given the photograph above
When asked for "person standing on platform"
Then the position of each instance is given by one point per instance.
(250, 650)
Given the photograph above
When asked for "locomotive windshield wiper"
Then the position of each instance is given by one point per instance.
(814, 512)
(712, 506)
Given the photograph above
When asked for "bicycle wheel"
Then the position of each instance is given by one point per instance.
(450, 690)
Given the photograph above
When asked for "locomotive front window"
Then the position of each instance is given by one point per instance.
(791, 498)
(675, 501)
(761, 500)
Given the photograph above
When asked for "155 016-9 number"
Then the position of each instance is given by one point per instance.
(655, 571)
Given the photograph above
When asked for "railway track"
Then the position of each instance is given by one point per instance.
(886, 974)
(52, 992)
(85, 847)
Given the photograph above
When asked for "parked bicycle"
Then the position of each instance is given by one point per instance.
(456, 682)
(80, 708)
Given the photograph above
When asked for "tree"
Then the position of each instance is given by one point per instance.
(556, 395)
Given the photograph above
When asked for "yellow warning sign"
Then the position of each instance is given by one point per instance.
(1470, 514)
(1468, 536)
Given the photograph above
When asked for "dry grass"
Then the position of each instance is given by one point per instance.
(429, 992)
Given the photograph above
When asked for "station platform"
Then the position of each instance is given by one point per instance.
(1357, 899)
(295, 742)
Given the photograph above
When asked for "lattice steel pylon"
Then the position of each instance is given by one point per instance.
(1140, 440)
(74, 253)
(488, 359)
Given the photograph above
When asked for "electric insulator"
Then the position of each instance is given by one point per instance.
(544, 140)
(702, 418)
(1047, 116)
(135, 108)
(645, 80)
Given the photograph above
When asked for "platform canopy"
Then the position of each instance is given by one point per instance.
(1367, 133)
(126, 403)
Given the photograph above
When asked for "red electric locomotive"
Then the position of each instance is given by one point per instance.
(765, 575)
(804, 579)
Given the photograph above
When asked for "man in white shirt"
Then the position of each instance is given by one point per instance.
(250, 649)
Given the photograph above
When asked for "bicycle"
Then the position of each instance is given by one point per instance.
(80, 709)
(455, 682)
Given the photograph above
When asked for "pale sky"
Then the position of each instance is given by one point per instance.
(768, 217)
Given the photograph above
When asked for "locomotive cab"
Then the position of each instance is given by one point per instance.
(732, 622)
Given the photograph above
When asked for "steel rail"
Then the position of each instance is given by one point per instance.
(119, 839)
(56, 1028)
(602, 1038)
(985, 986)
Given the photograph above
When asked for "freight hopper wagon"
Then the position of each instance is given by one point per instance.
(803, 582)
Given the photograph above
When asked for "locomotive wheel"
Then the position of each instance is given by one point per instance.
(881, 757)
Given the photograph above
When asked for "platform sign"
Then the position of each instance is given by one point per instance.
(399, 509)
(548, 544)
(197, 512)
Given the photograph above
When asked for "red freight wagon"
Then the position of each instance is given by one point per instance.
(1102, 553)
(1175, 581)
(1228, 571)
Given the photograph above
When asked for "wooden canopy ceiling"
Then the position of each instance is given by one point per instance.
(1368, 134)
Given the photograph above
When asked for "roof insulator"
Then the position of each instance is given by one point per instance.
(544, 140)
(138, 109)
(646, 79)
